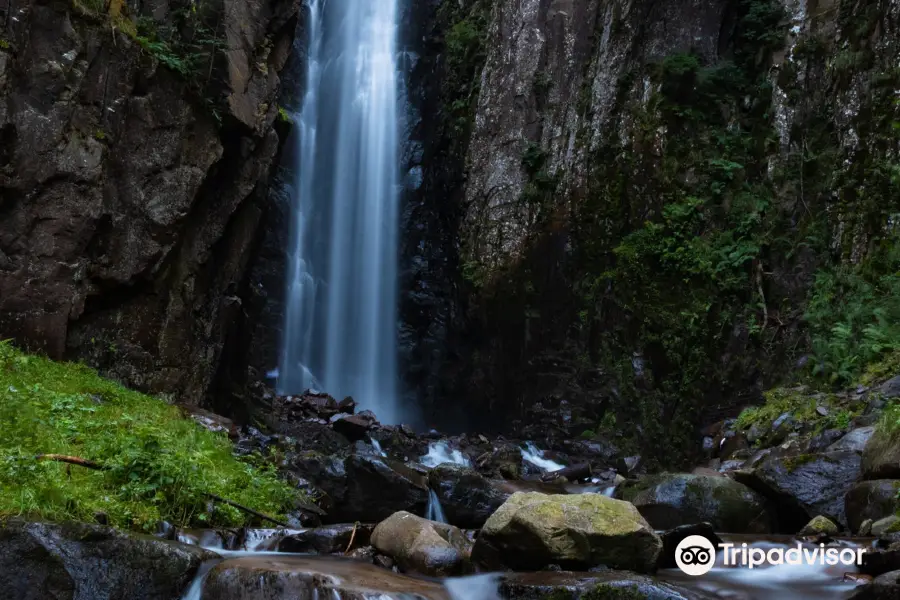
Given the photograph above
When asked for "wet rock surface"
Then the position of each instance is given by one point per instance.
(805, 486)
(41, 561)
(275, 578)
(670, 500)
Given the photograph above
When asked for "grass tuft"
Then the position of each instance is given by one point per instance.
(160, 463)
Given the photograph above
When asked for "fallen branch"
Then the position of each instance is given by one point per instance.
(352, 538)
(262, 516)
(72, 460)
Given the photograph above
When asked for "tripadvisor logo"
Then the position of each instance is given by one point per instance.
(695, 555)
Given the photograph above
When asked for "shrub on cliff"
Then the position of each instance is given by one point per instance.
(159, 464)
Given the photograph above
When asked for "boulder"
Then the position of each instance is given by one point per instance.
(532, 530)
(881, 457)
(467, 497)
(273, 577)
(378, 487)
(422, 546)
(802, 487)
(854, 441)
(77, 561)
(671, 500)
(354, 427)
(872, 500)
(820, 525)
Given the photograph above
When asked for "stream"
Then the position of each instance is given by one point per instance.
(341, 578)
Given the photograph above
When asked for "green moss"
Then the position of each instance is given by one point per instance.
(283, 115)
(4, 45)
(606, 591)
(159, 464)
(795, 462)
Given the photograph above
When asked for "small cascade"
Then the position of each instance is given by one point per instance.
(440, 453)
(609, 491)
(474, 587)
(435, 511)
(377, 447)
(535, 456)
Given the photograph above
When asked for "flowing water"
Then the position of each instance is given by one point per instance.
(340, 324)
(434, 511)
(535, 456)
(440, 453)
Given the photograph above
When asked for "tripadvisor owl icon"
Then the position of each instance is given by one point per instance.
(695, 555)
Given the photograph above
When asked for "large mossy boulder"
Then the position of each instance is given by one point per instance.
(805, 486)
(274, 577)
(673, 499)
(467, 497)
(871, 500)
(422, 546)
(881, 456)
(532, 530)
(77, 561)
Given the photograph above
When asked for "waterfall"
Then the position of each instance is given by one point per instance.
(434, 511)
(340, 322)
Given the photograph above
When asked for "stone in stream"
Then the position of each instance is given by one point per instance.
(422, 546)
(77, 561)
(802, 487)
(670, 500)
(275, 577)
(871, 500)
(819, 525)
(532, 530)
(881, 456)
(467, 497)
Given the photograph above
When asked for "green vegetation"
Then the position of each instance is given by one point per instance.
(159, 463)
(854, 313)
(4, 45)
(284, 115)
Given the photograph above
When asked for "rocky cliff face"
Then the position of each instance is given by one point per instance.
(135, 148)
(651, 190)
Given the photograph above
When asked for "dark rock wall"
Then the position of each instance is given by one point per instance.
(590, 118)
(131, 193)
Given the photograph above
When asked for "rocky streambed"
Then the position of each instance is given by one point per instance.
(389, 513)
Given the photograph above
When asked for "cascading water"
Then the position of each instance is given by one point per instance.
(341, 323)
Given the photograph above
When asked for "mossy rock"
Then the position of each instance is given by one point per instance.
(820, 525)
(532, 530)
(675, 499)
